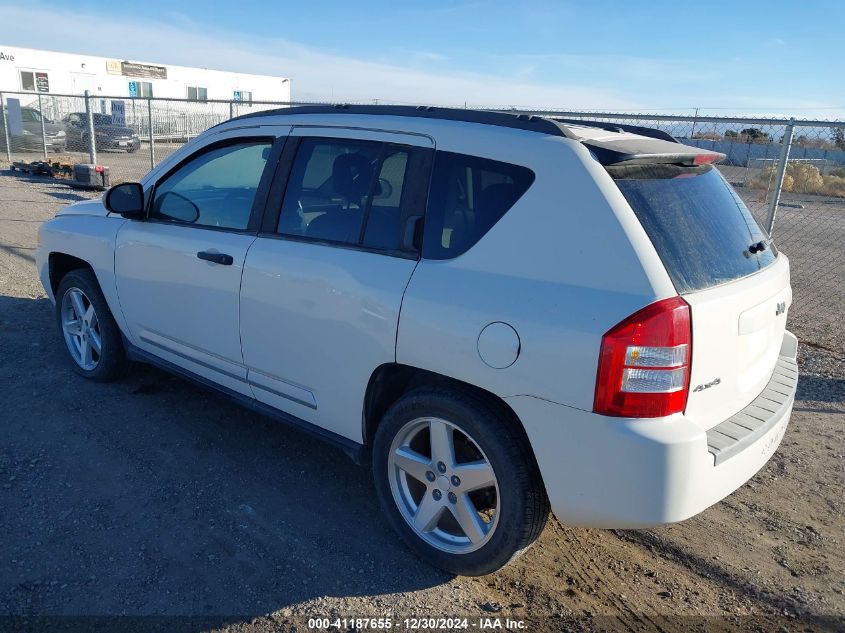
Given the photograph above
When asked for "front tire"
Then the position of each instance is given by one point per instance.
(458, 481)
(88, 329)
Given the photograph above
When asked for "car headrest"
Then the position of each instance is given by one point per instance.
(351, 176)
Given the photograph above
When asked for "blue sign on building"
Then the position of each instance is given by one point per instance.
(133, 88)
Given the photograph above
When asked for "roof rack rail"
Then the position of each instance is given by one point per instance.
(553, 126)
(619, 127)
(514, 120)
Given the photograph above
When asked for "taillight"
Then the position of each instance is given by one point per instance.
(644, 363)
(706, 159)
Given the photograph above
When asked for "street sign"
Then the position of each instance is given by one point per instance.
(237, 95)
(133, 88)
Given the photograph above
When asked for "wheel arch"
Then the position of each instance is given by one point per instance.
(60, 264)
(391, 381)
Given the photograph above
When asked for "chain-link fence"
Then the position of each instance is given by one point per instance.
(790, 173)
(128, 135)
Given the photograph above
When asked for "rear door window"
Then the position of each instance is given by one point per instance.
(352, 192)
(468, 196)
(699, 226)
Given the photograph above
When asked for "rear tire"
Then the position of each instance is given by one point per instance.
(474, 510)
(88, 329)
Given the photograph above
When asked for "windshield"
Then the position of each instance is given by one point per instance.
(28, 115)
(102, 119)
(700, 228)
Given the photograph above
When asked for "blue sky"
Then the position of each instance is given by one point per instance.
(781, 58)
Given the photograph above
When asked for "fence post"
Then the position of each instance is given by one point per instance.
(231, 110)
(43, 132)
(152, 140)
(6, 127)
(694, 121)
(781, 172)
(92, 139)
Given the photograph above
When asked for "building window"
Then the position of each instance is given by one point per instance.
(27, 80)
(196, 93)
(146, 89)
(34, 81)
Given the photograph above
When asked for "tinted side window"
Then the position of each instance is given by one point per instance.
(347, 191)
(468, 196)
(215, 189)
(384, 219)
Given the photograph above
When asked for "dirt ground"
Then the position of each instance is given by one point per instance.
(152, 497)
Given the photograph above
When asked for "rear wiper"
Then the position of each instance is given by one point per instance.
(756, 248)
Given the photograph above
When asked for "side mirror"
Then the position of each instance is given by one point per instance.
(126, 199)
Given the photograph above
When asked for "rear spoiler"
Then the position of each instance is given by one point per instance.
(639, 150)
(650, 132)
(649, 146)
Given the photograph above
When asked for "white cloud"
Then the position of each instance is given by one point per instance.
(593, 82)
(429, 56)
(316, 74)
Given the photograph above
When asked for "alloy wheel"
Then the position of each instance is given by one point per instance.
(444, 485)
(81, 329)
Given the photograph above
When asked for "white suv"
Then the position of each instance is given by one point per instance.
(501, 312)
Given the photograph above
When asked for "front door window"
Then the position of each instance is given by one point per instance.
(216, 189)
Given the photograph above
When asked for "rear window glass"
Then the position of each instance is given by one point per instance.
(468, 196)
(700, 228)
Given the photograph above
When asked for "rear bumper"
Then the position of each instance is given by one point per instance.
(629, 473)
(126, 144)
(33, 143)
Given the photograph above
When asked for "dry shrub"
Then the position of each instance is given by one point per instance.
(806, 178)
(803, 178)
(788, 182)
(834, 186)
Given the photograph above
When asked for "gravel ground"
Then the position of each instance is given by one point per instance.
(150, 496)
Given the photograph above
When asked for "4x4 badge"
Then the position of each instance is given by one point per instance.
(707, 385)
(781, 308)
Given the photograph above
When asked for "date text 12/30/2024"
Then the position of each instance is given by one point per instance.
(417, 624)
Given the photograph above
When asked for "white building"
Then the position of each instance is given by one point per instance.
(34, 71)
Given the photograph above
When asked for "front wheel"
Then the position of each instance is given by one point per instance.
(88, 328)
(458, 481)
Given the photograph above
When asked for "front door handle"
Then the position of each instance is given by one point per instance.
(217, 258)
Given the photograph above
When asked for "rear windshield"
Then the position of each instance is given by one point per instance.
(699, 226)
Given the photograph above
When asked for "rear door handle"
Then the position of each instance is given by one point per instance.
(217, 258)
